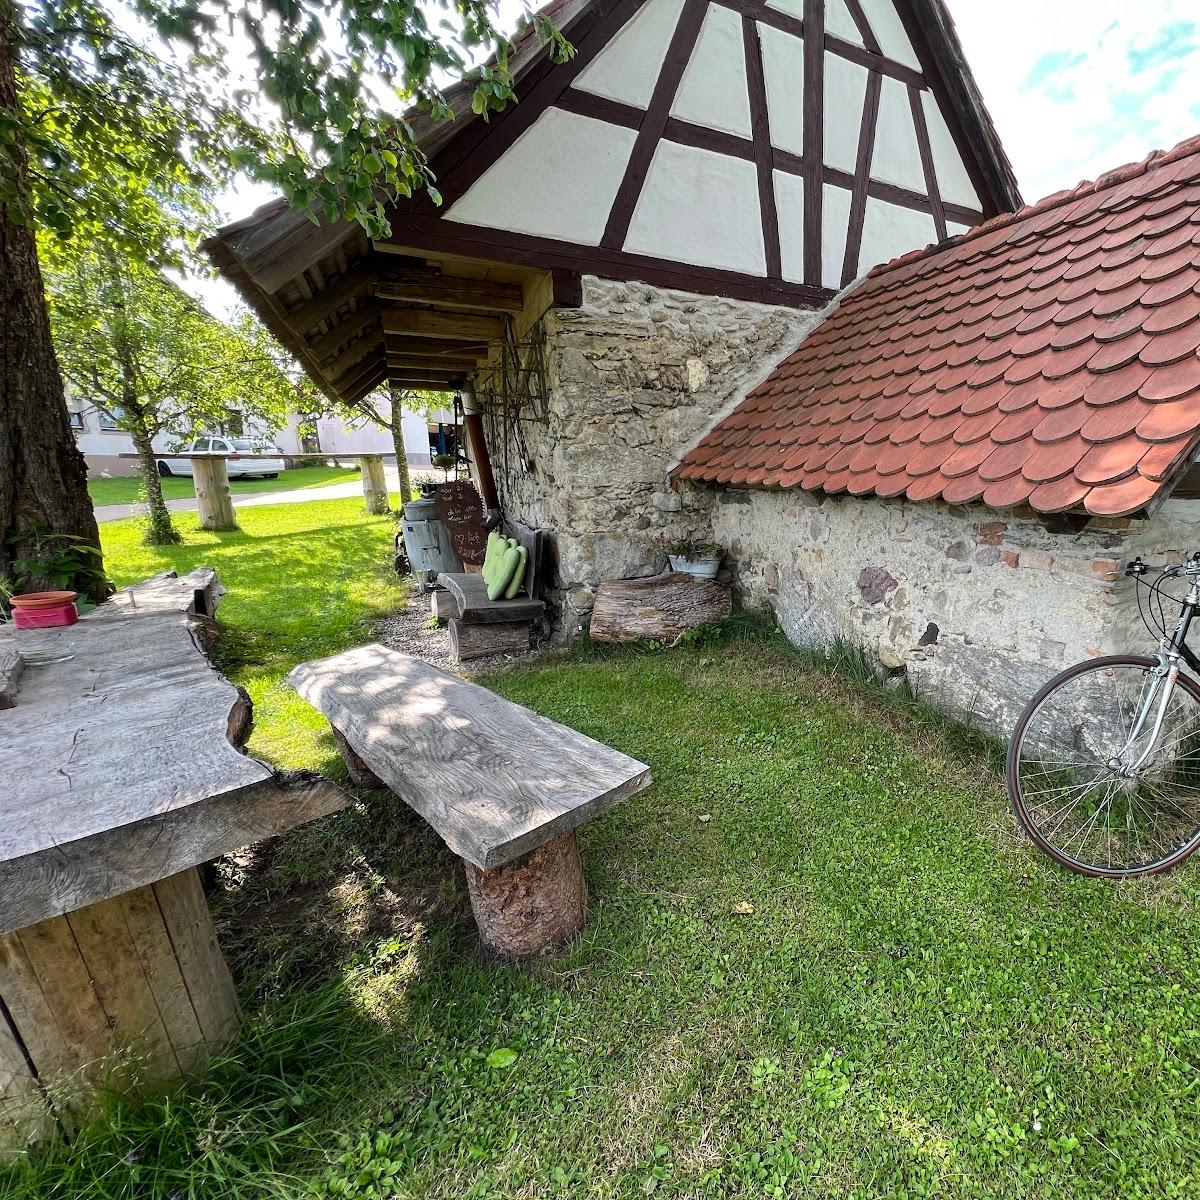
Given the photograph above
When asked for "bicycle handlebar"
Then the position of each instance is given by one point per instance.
(1137, 568)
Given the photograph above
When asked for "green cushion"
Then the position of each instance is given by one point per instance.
(496, 545)
(503, 573)
(518, 578)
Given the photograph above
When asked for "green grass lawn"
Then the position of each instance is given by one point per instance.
(819, 962)
(126, 490)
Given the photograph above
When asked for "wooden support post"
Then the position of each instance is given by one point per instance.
(442, 605)
(375, 493)
(128, 990)
(532, 904)
(212, 492)
(501, 637)
(361, 776)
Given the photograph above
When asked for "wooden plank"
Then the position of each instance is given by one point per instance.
(494, 779)
(306, 316)
(339, 368)
(931, 183)
(417, 365)
(428, 324)
(11, 667)
(197, 594)
(759, 124)
(284, 248)
(813, 119)
(415, 347)
(24, 1113)
(862, 178)
(120, 975)
(679, 51)
(448, 291)
(329, 343)
(202, 966)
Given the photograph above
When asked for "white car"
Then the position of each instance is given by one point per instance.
(232, 448)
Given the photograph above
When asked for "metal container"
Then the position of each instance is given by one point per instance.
(420, 510)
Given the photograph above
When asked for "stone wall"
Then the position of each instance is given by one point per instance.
(979, 607)
(635, 376)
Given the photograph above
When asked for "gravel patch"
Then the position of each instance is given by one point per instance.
(409, 630)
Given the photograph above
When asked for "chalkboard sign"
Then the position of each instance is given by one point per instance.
(459, 503)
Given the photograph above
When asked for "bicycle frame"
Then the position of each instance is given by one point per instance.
(1171, 652)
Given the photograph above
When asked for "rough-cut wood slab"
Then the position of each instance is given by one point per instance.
(11, 667)
(116, 767)
(470, 594)
(493, 779)
(475, 641)
(533, 903)
(197, 593)
(661, 607)
(443, 605)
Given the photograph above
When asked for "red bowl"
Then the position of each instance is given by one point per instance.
(36, 600)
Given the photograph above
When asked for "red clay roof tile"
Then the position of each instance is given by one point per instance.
(1049, 358)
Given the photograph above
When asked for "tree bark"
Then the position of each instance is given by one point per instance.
(44, 500)
(661, 607)
(159, 529)
(397, 428)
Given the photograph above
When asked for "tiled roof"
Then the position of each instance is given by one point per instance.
(1048, 357)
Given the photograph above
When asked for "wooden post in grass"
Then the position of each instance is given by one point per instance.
(375, 494)
(212, 493)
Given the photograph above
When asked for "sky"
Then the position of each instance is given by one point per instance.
(1075, 88)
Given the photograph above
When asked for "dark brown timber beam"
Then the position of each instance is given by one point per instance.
(397, 343)
(449, 291)
(429, 324)
(324, 304)
(343, 331)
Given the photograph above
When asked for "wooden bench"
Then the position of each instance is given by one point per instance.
(503, 787)
(480, 626)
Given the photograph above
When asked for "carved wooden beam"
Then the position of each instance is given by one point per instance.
(428, 324)
(324, 304)
(448, 291)
(343, 331)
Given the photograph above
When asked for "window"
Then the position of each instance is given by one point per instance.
(109, 420)
(200, 446)
(76, 418)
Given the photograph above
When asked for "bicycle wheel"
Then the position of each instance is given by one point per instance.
(1065, 769)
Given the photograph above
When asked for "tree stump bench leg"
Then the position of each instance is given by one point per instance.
(140, 974)
(532, 904)
(360, 774)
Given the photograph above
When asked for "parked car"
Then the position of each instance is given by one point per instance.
(236, 466)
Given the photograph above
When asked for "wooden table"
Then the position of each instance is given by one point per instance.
(214, 501)
(120, 772)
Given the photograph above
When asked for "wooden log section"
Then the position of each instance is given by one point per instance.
(660, 608)
(374, 483)
(212, 493)
(443, 605)
(475, 641)
(532, 904)
(130, 990)
(361, 776)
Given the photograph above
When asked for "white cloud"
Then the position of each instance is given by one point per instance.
(1077, 87)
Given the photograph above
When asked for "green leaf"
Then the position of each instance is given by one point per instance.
(501, 1059)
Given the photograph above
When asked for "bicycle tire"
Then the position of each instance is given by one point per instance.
(1016, 792)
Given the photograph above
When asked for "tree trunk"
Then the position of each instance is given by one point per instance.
(44, 502)
(159, 530)
(397, 428)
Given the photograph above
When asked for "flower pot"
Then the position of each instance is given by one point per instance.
(699, 568)
(32, 601)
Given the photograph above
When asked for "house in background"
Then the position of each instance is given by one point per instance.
(102, 441)
(643, 278)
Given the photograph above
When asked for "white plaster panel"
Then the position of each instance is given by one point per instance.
(557, 180)
(845, 91)
(713, 91)
(890, 231)
(897, 157)
(794, 8)
(783, 71)
(953, 181)
(789, 204)
(628, 67)
(699, 207)
(889, 32)
(840, 24)
(835, 222)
